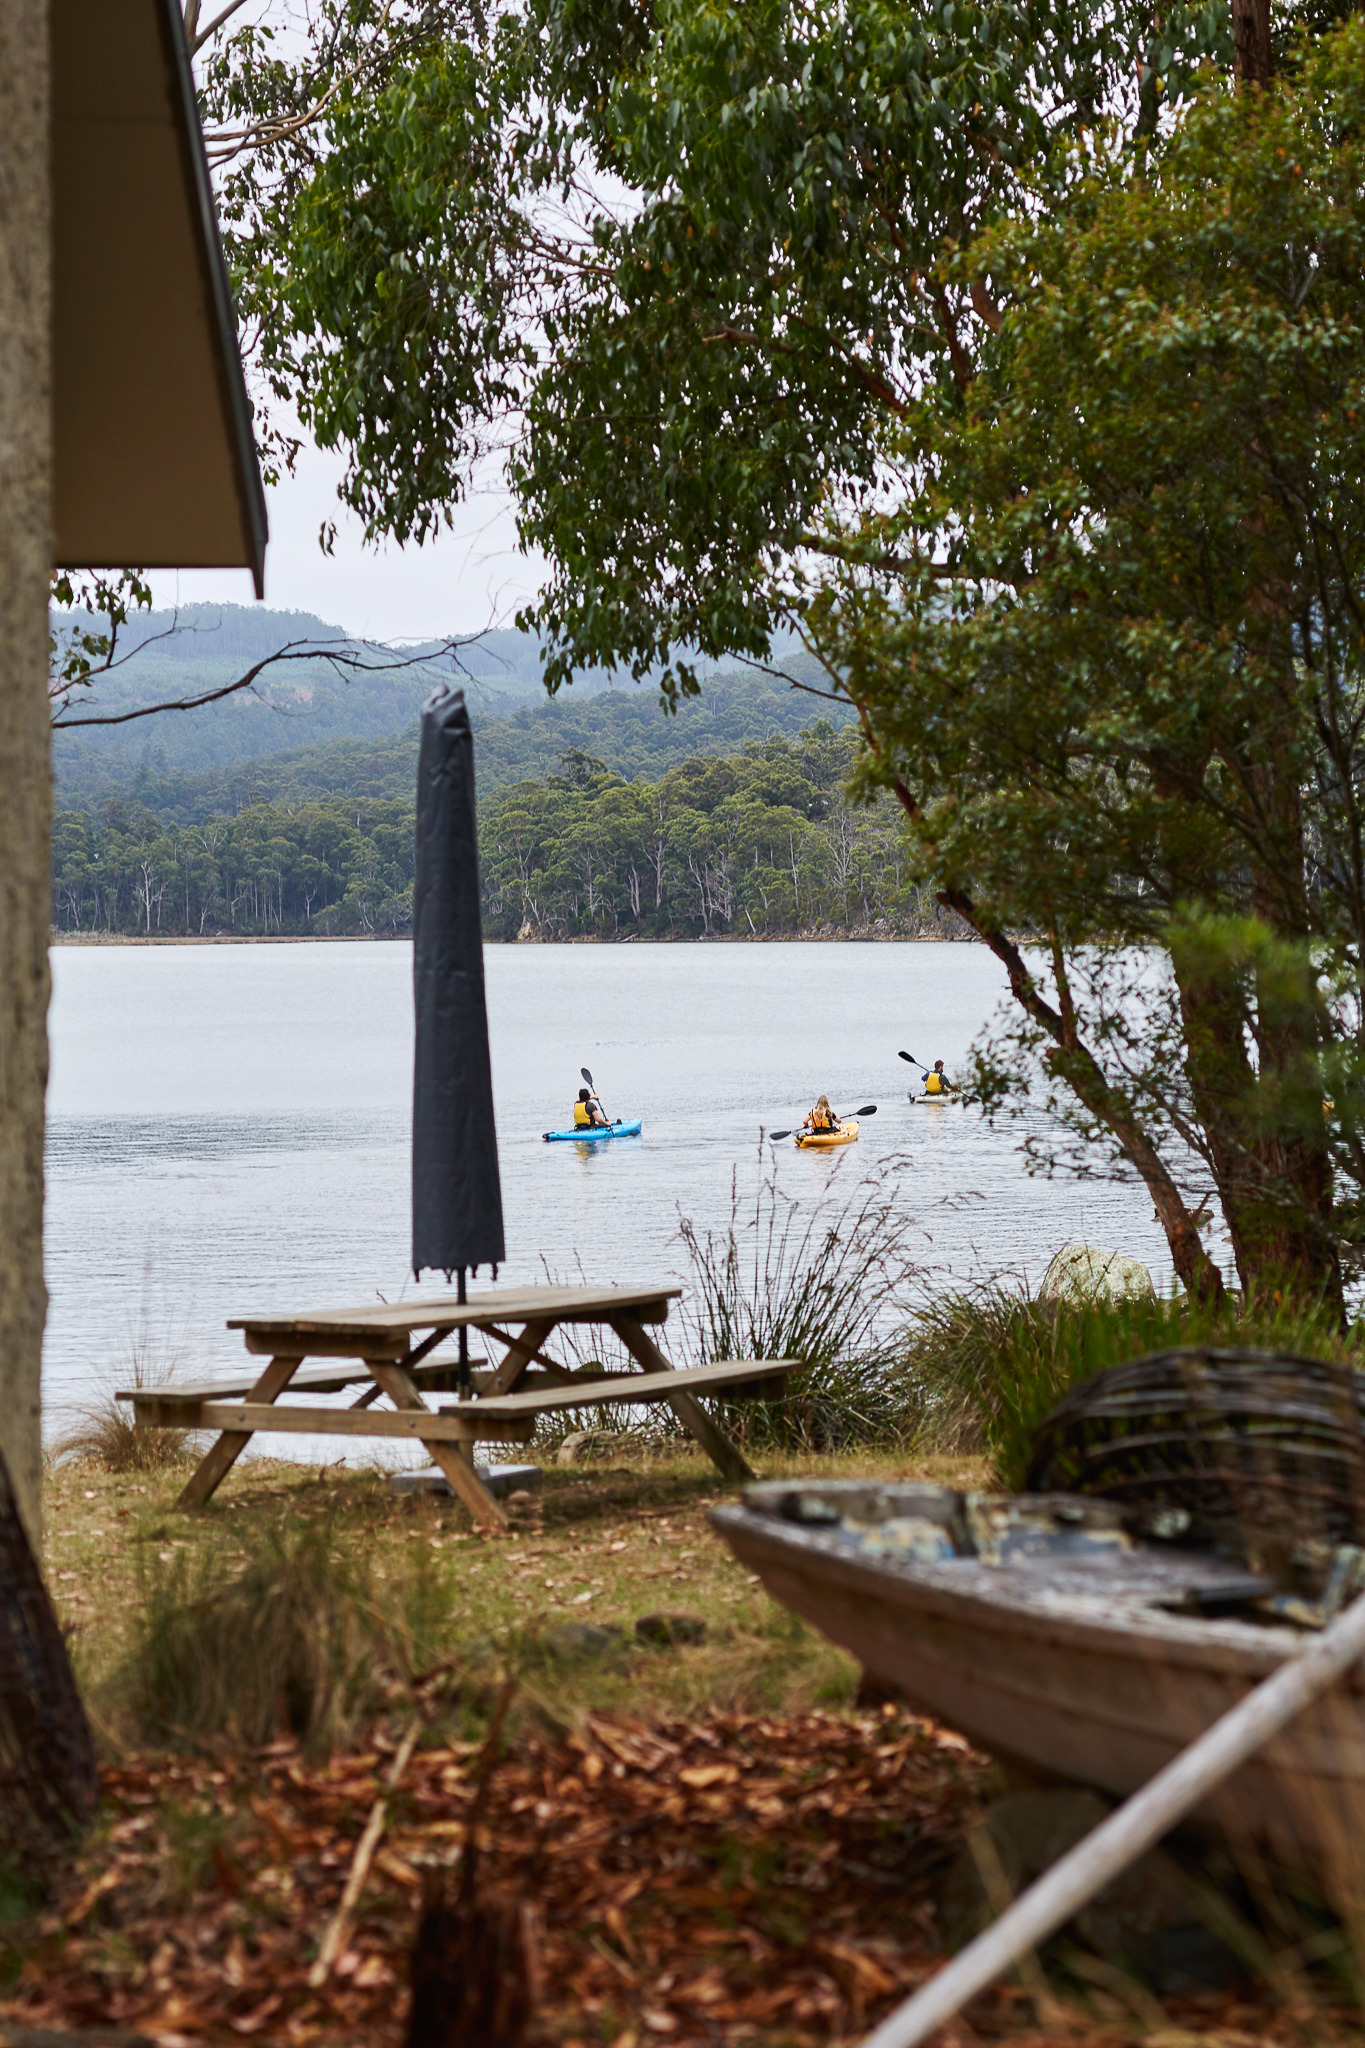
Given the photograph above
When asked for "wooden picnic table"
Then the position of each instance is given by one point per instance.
(391, 1359)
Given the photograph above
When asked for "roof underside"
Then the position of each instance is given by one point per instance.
(154, 461)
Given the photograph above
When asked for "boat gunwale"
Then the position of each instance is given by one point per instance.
(1205, 1642)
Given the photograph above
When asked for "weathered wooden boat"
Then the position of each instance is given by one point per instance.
(1053, 1638)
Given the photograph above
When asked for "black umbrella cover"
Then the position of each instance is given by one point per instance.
(456, 1194)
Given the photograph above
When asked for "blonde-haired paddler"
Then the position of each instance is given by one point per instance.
(822, 1117)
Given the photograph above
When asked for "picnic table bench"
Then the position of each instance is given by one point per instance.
(389, 1359)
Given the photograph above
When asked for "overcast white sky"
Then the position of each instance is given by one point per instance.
(468, 579)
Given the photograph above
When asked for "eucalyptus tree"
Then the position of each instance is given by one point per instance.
(870, 318)
(1109, 649)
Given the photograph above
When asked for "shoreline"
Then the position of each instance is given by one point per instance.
(853, 938)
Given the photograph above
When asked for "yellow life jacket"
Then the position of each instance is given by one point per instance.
(933, 1084)
(580, 1113)
(821, 1119)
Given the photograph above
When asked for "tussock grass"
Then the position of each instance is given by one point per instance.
(783, 1282)
(308, 1639)
(985, 1365)
(107, 1435)
(105, 1431)
(841, 1404)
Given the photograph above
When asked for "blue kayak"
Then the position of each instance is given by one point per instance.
(590, 1133)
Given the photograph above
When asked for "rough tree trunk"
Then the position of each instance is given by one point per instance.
(25, 808)
(1251, 41)
(1294, 1227)
(49, 1782)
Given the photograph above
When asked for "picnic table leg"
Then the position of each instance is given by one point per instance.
(402, 1390)
(217, 1462)
(688, 1409)
(520, 1351)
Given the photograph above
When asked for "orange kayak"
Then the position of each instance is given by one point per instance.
(824, 1141)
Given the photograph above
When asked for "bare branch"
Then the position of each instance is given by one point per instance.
(295, 650)
(780, 675)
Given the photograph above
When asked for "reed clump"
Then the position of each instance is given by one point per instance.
(106, 1434)
(820, 1285)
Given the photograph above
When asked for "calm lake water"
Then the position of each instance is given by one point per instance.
(229, 1125)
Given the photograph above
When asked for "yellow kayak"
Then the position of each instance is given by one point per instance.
(822, 1141)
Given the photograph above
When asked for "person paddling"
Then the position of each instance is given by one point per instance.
(587, 1112)
(936, 1082)
(822, 1117)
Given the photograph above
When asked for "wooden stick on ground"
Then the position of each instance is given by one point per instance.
(1129, 1831)
(339, 1926)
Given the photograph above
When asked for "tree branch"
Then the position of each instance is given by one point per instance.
(195, 36)
(1078, 1067)
(222, 144)
(295, 650)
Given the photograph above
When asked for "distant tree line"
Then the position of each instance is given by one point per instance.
(754, 844)
(332, 867)
(760, 843)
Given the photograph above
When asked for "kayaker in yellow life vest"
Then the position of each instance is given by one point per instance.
(937, 1082)
(587, 1112)
(822, 1117)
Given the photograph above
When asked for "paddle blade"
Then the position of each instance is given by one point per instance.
(773, 1136)
(868, 1109)
(587, 1077)
(909, 1059)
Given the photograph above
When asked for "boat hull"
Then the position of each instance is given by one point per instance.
(1080, 1682)
(593, 1135)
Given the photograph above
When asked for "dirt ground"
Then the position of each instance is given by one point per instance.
(709, 1844)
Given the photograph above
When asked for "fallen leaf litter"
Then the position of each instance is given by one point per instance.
(742, 1879)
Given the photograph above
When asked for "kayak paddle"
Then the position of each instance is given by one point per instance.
(911, 1061)
(593, 1085)
(868, 1109)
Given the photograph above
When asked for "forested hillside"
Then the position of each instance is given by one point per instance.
(754, 842)
(191, 763)
(625, 728)
(296, 703)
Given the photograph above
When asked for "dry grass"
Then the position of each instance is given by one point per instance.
(105, 1431)
(308, 1638)
(106, 1434)
(603, 1544)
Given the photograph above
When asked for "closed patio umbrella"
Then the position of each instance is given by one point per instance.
(456, 1193)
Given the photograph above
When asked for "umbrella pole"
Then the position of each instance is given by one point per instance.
(463, 1297)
